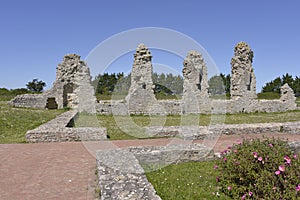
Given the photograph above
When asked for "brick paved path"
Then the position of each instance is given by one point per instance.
(67, 170)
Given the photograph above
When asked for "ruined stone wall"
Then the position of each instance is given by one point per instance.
(243, 80)
(72, 88)
(195, 97)
(29, 101)
(60, 130)
(141, 98)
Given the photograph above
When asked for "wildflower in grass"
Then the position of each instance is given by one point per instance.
(277, 172)
(298, 188)
(260, 159)
(229, 147)
(216, 167)
(229, 187)
(281, 168)
(295, 156)
(255, 154)
(287, 160)
(244, 197)
(225, 159)
(271, 145)
(250, 193)
(235, 151)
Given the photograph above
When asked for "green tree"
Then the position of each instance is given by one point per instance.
(219, 84)
(35, 85)
(216, 85)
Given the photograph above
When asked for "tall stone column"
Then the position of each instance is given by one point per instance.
(243, 80)
(141, 96)
(195, 97)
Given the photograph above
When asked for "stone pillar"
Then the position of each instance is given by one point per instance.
(288, 97)
(243, 80)
(141, 96)
(195, 97)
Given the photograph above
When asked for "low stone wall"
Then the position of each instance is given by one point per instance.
(29, 101)
(121, 176)
(175, 107)
(201, 132)
(60, 130)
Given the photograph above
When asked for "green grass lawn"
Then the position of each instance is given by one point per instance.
(117, 126)
(14, 122)
(186, 181)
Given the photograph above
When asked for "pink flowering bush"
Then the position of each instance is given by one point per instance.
(259, 169)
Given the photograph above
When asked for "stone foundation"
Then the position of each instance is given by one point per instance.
(60, 130)
(121, 176)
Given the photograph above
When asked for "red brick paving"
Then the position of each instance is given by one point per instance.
(67, 170)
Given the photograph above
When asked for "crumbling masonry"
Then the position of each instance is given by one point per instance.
(72, 88)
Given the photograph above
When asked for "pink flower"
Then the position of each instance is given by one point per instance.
(295, 156)
(298, 188)
(271, 145)
(287, 159)
(239, 142)
(244, 197)
(277, 172)
(281, 168)
(216, 167)
(235, 151)
(217, 179)
(255, 154)
(229, 147)
(260, 159)
(225, 159)
(229, 187)
(250, 194)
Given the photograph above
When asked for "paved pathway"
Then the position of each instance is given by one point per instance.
(67, 170)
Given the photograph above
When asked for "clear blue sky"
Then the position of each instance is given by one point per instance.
(35, 35)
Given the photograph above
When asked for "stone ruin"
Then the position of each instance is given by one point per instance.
(72, 88)
(243, 81)
(196, 97)
(195, 85)
(141, 96)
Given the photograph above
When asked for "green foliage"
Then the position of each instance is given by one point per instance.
(35, 85)
(167, 83)
(6, 95)
(274, 85)
(186, 181)
(268, 95)
(14, 122)
(119, 84)
(219, 84)
(259, 169)
(106, 83)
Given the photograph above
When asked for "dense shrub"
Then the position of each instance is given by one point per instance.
(259, 169)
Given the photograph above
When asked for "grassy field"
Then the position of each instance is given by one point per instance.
(119, 126)
(186, 181)
(14, 122)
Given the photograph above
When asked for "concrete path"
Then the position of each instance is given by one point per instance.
(67, 170)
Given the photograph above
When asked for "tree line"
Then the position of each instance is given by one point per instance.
(120, 83)
(274, 85)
